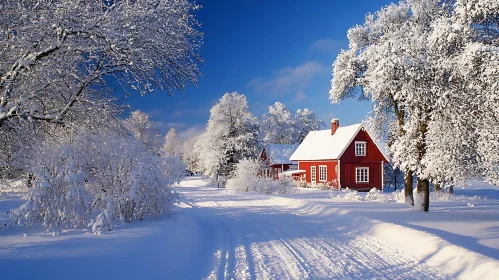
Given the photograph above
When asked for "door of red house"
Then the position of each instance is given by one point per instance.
(313, 175)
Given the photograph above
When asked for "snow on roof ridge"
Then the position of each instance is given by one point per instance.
(318, 146)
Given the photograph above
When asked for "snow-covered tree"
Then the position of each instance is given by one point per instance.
(428, 67)
(56, 57)
(173, 145)
(142, 128)
(93, 179)
(230, 136)
(305, 121)
(191, 154)
(278, 125)
(372, 68)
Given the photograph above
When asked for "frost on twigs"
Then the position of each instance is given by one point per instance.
(93, 180)
(57, 55)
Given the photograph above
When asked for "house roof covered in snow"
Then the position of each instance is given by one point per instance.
(280, 153)
(321, 145)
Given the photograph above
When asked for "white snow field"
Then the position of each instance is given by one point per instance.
(224, 234)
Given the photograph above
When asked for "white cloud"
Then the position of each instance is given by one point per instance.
(300, 96)
(288, 78)
(191, 132)
(163, 127)
(186, 113)
(326, 45)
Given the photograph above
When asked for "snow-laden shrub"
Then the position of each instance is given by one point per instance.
(285, 185)
(377, 195)
(58, 197)
(301, 184)
(245, 179)
(331, 185)
(245, 176)
(93, 180)
(351, 194)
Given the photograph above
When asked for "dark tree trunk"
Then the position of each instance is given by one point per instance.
(451, 190)
(409, 197)
(395, 179)
(31, 177)
(437, 187)
(424, 187)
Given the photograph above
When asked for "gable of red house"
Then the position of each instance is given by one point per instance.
(347, 156)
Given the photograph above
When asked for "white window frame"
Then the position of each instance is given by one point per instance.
(360, 148)
(360, 169)
(313, 175)
(322, 171)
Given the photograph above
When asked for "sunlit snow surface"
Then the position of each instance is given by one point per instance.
(223, 234)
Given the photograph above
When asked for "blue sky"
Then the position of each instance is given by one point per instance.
(270, 51)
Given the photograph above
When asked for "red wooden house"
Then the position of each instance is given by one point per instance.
(346, 154)
(275, 159)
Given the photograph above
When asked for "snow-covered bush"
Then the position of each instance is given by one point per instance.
(331, 185)
(285, 185)
(301, 184)
(58, 197)
(351, 194)
(245, 178)
(94, 179)
(377, 195)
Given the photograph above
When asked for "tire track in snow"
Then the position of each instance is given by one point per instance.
(233, 262)
(224, 264)
(262, 240)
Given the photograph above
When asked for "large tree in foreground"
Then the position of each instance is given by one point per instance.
(231, 135)
(57, 56)
(430, 69)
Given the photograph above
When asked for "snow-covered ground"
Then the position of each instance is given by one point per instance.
(224, 234)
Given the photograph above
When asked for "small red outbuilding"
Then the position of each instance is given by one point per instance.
(346, 155)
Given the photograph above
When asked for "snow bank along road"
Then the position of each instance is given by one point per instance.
(255, 236)
(223, 234)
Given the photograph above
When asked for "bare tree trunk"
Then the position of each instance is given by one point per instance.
(424, 187)
(438, 186)
(451, 190)
(31, 177)
(395, 179)
(409, 197)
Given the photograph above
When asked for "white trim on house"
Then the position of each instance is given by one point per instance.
(339, 174)
(382, 178)
(362, 148)
(357, 169)
(325, 173)
(313, 175)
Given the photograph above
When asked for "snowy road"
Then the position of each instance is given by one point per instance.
(255, 236)
(223, 234)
